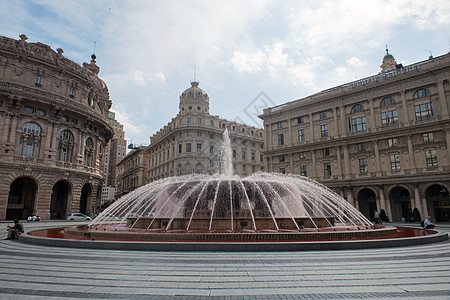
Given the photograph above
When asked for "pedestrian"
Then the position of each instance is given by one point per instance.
(427, 224)
(15, 231)
(376, 218)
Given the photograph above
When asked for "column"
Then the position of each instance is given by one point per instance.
(269, 139)
(382, 201)
(346, 162)
(377, 158)
(314, 170)
(12, 137)
(373, 127)
(412, 164)
(447, 140)
(350, 198)
(405, 108)
(291, 161)
(388, 207)
(339, 162)
(6, 128)
(442, 101)
(417, 202)
(311, 127)
(48, 138)
(342, 128)
(335, 123)
(291, 139)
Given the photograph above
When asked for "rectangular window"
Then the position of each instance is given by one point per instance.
(281, 158)
(189, 120)
(423, 111)
(188, 147)
(261, 157)
(71, 92)
(199, 121)
(253, 156)
(211, 149)
(211, 123)
(234, 153)
(253, 169)
(300, 120)
(280, 139)
(188, 133)
(395, 161)
(211, 136)
(179, 148)
(428, 137)
(280, 125)
(389, 118)
(252, 144)
(199, 133)
(327, 169)
(244, 168)
(324, 130)
(392, 142)
(28, 109)
(211, 163)
(301, 135)
(233, 128)
(323, 114)
(173, 151)
(431, 158)
(303, 170)
(243, 130)
(38, 81)
(282, 170)
(363, 165)
(243, 154)
(359, 124)
(199, 148)
(302, 155)
(326, 152)
(361, 147)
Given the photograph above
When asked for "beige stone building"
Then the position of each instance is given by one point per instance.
(116, 150)
(382, 142)
(53, 131)
(131, 171)
(191, 142)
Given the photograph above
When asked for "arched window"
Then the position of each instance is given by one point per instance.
(30, 139)
(421, 93)
(89, 152)
(187, 169)
(357, 108)
(198, 168)
(65, 147)
(387, 101)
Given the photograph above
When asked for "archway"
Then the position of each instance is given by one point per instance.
(438, 200)
(21, 198)
(400, 199)
(85, 199)
(367, 203)
(58, 205)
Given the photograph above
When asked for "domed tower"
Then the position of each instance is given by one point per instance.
(194, 99)
(389, 63)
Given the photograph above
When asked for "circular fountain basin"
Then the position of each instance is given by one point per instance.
(122, 239)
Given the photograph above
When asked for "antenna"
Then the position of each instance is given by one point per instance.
(431, 54)
(94, 46)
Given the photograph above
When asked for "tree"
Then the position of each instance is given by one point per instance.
(107, 203)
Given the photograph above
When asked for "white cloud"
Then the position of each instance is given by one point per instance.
(356, 62)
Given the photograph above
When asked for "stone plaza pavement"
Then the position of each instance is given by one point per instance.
(37, 272)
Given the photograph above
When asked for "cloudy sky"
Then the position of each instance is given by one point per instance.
(147, 50)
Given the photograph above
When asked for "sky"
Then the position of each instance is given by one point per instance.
(246, 54)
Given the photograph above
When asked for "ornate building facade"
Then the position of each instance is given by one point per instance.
(191, 143)
(382, 142)
(132, 171)
(53, 128)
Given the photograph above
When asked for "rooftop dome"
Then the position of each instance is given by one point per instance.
(388, 56)
(194, 93)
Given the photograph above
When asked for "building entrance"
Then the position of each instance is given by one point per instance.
(21, 198)
(400, 199)
(367, 203)
(60, 195)
(438, 201)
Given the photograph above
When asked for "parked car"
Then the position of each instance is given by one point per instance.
(78, 217)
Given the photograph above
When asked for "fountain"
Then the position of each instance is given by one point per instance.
(226, 212)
